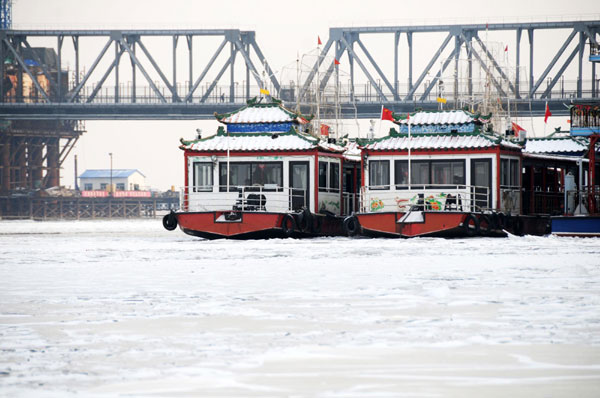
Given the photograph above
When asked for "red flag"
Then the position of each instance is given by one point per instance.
(408, 116)
(319, 38)
(335, 61)
(506, 48)
(516, 128)
(324, 129)
(547, 114)
(386, 114)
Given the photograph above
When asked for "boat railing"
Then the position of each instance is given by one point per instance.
(268, 197)
(583, 201)
(430, 197)
(351, 202)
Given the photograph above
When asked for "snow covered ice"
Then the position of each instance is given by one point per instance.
(125, 308)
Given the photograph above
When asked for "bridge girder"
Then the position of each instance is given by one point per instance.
(169, 101)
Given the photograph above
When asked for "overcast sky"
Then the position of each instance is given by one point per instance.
(283, 30)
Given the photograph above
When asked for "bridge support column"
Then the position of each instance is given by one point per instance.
(36, 164)
(6, 164)
(53, 173)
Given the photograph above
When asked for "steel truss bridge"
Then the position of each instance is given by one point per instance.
(99, 92)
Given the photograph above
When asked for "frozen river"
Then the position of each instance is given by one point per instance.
(125, 308)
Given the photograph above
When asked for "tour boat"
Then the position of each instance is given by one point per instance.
(580, 214)
(265, 176)
(442, 173)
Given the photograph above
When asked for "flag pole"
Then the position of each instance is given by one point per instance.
(380, 120)
(409, 145)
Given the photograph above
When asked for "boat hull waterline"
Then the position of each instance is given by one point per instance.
(254, 225)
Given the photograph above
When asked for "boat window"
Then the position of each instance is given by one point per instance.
(334, 177)
(249, 174)
(515, 172)
(447, 172)
(323, 176)
(202, 178)
(379, 174)
(509, 172)
(427, 172)
(419, 172)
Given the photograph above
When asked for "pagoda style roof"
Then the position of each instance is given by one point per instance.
(436, 141)
(243, 142)
(259, 112)
(441, 117)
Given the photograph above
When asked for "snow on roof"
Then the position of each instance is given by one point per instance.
(106, 173)
(352, 151)
(438, 141)
(441, 117)
(554, 145)
(258, 112)
(269, 114)
(254, 142)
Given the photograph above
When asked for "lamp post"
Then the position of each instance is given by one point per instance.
(111, 187)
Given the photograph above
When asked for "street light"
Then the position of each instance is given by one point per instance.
(111, 188)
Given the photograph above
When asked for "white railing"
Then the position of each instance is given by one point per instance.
(431, 197)
(351, 202)
(582, 201)
(268, 197)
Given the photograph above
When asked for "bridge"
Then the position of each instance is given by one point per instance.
(102, 90)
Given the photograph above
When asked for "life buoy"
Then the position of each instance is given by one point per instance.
(316, 224)
(288, 225)
(485, 224)
(471, 225)
(169, 221)
(351, 226)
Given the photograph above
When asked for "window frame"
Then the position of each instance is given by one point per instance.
(430, 176)
(211, 174)
(233, 188)
(512, 168)
(382, 187)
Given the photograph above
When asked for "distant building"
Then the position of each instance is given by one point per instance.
(122, 180)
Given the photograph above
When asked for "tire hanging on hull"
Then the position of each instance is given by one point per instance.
(169, 221)
(351, 226)
(288, 225)
(471, 225)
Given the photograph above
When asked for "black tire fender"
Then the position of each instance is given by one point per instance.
(288, 225)
(471, 225)
(170, 221)
(305, 220)
(351, 226)
(485, 224)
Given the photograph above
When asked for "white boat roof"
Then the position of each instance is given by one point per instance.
(441, 117)
(252, 142)
(249, 142)
(439, 141)
(258, 112)
(554, 145)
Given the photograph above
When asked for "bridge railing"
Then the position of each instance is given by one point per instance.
(365, 93)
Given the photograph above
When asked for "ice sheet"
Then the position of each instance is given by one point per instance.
(113, 308)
